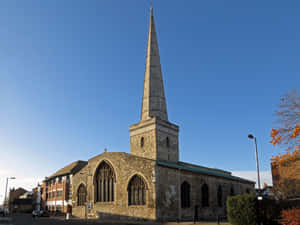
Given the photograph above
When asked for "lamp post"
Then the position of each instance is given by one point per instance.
(259, 198)
(5, 196)
(256, 156)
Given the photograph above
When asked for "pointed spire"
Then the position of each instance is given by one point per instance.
(154, 101)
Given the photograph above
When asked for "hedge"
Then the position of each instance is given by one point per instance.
(241, 209)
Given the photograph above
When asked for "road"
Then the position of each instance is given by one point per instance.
(26, 219)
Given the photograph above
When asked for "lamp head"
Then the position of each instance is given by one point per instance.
(12, 178)
(250, 136)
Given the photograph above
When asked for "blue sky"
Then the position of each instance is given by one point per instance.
(71, 78)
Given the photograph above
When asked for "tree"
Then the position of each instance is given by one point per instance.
(286, 167)
(286, 175)
(287, 133)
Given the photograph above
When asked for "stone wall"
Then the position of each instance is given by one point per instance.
(125, 167)
(148, 150)
(155, 133)
(164, 152)
(168, 200)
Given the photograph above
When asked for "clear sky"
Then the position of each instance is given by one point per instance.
(71, 78)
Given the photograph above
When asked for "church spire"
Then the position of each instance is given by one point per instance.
(154, 101)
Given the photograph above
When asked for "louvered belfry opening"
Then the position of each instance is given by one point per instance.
(137, 191)
(104, 183)
(81, 195)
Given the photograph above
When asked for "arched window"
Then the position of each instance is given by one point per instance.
(136, 191)
(185, 195)
(231, 191)
(205, 195)
(104, 183)
(81, 195)
(220, 196)
(142, 141)
(168, 142)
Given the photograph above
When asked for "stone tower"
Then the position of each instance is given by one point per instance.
(154, 136)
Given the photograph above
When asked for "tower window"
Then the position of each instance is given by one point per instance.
(142, 142)
(168, 142)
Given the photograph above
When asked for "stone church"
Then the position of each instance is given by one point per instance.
(151, 183)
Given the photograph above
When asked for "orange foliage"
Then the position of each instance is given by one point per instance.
(286, 174)
(275, 137)
(290, 217)
(280, 159)
(274, 133)
(287, 132)
(296, 131)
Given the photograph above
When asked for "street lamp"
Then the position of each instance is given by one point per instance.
(259, 198)
(256, 156)
(5, 196)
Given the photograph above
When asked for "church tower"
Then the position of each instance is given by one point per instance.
(154, 136)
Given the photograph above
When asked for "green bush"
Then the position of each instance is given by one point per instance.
(241, 209)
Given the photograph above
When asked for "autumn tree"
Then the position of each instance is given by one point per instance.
(286, 167)
(286, 174)
(287, 132)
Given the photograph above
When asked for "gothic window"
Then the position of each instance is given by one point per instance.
(142, 142)
(185, 195)
(219, 196)
(168, 142)
(231, 191)
(81, 195)
(104, 183)
(136, 191)
(205, 195)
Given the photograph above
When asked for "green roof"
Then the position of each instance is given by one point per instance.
(203, 170)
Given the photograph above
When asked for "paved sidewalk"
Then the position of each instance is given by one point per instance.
(97, 221)
(199, 223)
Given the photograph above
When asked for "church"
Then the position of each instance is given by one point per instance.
(150, 182)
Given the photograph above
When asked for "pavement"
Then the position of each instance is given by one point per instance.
(27, 219)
